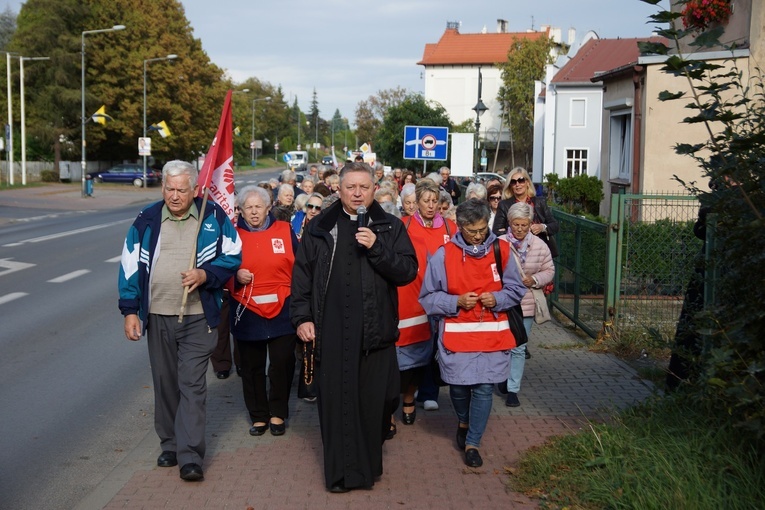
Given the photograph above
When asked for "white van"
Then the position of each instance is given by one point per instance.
(298, 160)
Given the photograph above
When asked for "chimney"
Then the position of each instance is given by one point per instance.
(453, 25)
(501, 26)
(571, 36)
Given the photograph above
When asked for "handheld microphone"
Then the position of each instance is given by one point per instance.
(362, 216)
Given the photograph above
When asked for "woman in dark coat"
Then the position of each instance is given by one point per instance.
(519, 188)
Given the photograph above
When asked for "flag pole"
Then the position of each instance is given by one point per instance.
(193, 261)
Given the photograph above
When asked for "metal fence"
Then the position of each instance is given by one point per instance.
(631, 273)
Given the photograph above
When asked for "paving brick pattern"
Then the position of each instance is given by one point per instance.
(563, 387)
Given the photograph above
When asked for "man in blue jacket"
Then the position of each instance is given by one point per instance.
(154, 271)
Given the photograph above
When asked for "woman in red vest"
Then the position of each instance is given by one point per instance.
(428, 232)
(464, 290)
(260, 321)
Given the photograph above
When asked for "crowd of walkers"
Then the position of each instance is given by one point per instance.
(384, 288)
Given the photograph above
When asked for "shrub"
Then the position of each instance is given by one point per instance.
(582, 193)
(49, 176)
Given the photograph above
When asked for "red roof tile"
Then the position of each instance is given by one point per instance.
(599, 56)
(455, 48)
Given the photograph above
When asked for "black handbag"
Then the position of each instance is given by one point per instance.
(514, 314)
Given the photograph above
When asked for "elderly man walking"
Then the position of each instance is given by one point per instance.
(154, 271)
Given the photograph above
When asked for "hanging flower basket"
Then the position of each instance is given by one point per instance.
(700, 14)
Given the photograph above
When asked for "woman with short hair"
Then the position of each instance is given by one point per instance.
(464, 291)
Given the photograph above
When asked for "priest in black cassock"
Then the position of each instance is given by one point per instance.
(344, 300)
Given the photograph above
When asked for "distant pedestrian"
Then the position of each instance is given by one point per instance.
(449, 185)
(155, 264)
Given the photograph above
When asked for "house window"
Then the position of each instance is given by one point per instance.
(576, 162)
(620, 160)
(578, 113)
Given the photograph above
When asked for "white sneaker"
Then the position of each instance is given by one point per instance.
(430, 405)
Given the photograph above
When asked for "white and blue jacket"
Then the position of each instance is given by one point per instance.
(219, 253)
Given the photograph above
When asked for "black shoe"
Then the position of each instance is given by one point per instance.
(223, 374)
(239, 371)
(512, 400)
(473, 458)
(167, 459)
(338, 488)
(391, 432)
(502, 387)
(461, 437)
(528, 353)
(192, 472)
(408, 418)
(258, 430)
(277, 429)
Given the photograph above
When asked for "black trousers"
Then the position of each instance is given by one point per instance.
(280, 351)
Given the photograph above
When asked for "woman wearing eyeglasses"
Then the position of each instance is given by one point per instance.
(519, 188)
(310, 210)
(463, 289)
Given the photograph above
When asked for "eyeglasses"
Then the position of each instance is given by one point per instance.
(476, 233)
(311, 206)
(494, 199)
(519, 180)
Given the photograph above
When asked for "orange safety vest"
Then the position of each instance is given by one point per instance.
(476, 330)
(413, 324)
(268, 255)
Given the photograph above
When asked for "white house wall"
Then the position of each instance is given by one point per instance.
(456, 89)
(587, 136)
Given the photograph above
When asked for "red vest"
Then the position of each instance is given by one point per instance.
(413, 322)
(475, 330)
(268, 256)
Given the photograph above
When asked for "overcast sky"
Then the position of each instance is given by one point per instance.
(350, 49)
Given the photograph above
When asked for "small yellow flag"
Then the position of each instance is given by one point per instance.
(100, 117)
(164, 131)
(237, 131)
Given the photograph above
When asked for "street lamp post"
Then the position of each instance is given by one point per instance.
(82, 92)
(146, 61)
(23, 117)
(254, 154)
(479, 110)
(9, 149)
(316, 142)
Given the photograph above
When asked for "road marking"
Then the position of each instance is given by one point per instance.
(114, 259)
(10, 266)
(69, 276)
(67, 233)
(53, 215)
(10, 297)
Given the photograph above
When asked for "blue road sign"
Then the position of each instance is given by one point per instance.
(286, 158)
(426, 142)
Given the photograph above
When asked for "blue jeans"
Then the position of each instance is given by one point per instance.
(473, 406)
(518, 360)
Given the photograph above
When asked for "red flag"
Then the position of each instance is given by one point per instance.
(217, 173)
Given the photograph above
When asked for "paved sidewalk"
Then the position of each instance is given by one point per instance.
(564, 384)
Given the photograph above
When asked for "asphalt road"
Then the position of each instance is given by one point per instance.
(75, 395)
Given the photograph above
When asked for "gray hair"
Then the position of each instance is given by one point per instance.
(286, 187)
(390, 208)
(384, 192)
(472, 211)
(406, 190)
(311, 178)
(288, 176)
(356, 166)
(440, 170)
(475, 190)
(520, 210)
(177, 167)
(329, 200)
(300, 201)
(244, 194)
(444, 197)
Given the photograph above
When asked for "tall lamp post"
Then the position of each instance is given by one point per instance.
(479, 110)
(84, 120)
(147, 61)
(9, 138)
(316, 142)
(23, 117)
(254, 155)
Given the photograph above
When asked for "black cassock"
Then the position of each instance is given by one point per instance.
(358, 391)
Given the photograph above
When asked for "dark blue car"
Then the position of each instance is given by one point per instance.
(127, 172)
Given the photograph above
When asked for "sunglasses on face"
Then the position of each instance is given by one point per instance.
(519, 180)
(494, 199)
(311, 206)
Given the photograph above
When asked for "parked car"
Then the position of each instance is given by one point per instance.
(127, 172)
